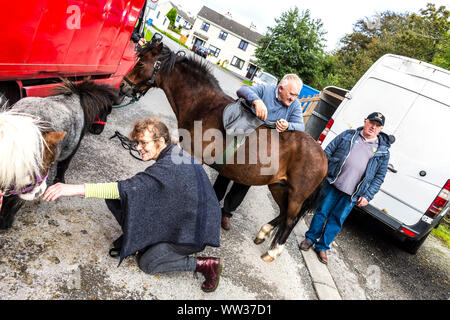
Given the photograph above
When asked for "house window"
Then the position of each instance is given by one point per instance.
(243, 45)
(215, 51)
(157, 16)
(223, 35)
(178, 19)
(205, 26)
(238, 63)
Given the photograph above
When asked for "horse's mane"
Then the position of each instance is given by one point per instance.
(94, 98)
(198, 67)
(22, 148)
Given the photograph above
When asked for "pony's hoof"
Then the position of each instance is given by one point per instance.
(258, 240)
(267, 258)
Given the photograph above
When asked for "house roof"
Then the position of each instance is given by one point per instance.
(230, 25)
(183, 14)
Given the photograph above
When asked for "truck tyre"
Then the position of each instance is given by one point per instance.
(411, 246)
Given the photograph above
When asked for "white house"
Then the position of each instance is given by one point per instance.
(231, 44)
(158, 15)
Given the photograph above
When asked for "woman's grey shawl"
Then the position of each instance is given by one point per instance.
(168, 202)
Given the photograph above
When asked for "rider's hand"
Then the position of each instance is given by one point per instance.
(141, 42)
(63, 190)
(260, 109)
(282, 125)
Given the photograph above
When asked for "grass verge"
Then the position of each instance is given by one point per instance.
(442, 232)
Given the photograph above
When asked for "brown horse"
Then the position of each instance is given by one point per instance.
(198, 103)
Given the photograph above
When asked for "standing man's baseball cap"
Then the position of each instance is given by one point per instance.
(376, 116)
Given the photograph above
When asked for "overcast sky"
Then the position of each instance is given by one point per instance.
(338, 17)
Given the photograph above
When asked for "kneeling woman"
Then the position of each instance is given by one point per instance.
(167, 213)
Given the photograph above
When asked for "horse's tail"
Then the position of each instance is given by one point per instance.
(308, 205)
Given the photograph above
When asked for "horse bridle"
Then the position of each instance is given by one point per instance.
(149, 82)
(13, 192)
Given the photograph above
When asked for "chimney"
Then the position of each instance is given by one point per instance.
(229, 15)
(252, 27)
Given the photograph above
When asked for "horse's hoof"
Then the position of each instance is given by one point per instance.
(258, 240)
(267, 258)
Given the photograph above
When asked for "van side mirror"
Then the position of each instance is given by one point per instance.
(391, 138)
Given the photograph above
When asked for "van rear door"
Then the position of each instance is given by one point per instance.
(420, 154)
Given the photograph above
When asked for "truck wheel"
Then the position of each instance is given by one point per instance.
(4, 102)
(411, 246)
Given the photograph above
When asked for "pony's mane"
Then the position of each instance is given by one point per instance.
(197, 66)
(94, 98)
(22, 148)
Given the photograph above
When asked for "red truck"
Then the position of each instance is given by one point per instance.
(44, 40)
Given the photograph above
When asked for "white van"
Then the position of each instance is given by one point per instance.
(265, 78)
(414, 96)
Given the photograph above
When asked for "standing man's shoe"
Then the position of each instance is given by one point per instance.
(211, 268)
(305, 245)
(226, 223)
(322, 255)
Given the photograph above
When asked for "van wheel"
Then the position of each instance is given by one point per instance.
(411, 246)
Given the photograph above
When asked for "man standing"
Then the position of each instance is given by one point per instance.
(272, 103)
(357, 164)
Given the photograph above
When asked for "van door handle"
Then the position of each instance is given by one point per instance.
(391, 168)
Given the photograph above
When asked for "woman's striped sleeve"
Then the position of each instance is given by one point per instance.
(109, 190)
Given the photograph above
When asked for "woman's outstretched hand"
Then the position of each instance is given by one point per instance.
(63, 190)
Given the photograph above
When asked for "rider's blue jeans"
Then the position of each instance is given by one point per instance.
(333, 208)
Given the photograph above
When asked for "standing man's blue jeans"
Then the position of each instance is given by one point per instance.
(331, 212)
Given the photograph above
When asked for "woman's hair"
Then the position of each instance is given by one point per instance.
(154, 126)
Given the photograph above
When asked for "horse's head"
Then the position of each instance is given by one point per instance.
(98, 125)
(143, 75)
(38, 183)
(26, 155)
(96, 100)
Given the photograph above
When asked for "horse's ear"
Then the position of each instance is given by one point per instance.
(158, 48)
(54, 137)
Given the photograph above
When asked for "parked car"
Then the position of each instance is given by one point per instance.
(201, 51)
(156, 38)
(265, 78)
(413, 96)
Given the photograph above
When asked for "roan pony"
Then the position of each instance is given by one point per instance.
(195, 96)
(37, 132)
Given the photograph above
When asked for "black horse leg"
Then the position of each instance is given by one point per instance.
(61, 166)
(280, 195)
(11, 204)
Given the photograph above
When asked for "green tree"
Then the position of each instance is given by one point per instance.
(172, 15)
(293, 45)
(423, 36)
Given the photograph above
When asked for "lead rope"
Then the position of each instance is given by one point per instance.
(126, 144)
